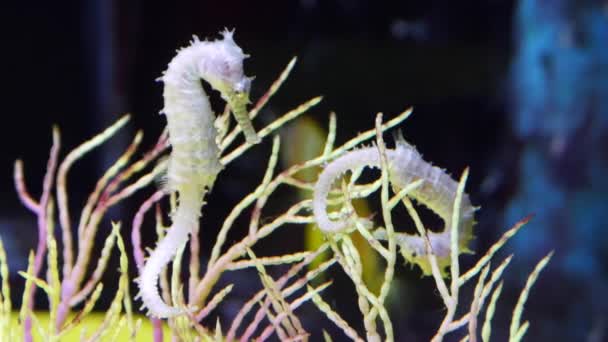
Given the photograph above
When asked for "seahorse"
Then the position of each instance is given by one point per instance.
(437, 192)
(194, 162)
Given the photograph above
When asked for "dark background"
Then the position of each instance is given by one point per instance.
(82, 64)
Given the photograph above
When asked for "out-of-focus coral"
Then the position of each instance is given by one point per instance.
(560, 112)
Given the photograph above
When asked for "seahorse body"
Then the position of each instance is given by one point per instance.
(437, 192)
(194, 162)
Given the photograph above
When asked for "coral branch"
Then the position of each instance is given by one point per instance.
(43, 219)
(24, 195)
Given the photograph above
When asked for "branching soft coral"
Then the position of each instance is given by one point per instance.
(202, 145)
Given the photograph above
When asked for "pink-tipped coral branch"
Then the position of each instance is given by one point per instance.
(292, 306)
(280, 283)
(62, 192)
(138, 219)
(24, 195)
(40, 209)
(105, 195)
(138, 253)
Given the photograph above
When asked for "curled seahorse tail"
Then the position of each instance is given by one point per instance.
(437, 192)
(359, 158)
(148, 280)
(184, 220)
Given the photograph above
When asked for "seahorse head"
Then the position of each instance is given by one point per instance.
(223, 66)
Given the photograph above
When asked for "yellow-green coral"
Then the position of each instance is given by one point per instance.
(276, 305)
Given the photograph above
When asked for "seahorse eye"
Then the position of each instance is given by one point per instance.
(225, 69)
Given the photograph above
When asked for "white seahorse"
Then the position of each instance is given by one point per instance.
(194, 162)
(437, 192)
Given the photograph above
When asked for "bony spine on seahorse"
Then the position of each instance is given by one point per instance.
(194, 162)
(437, 192)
